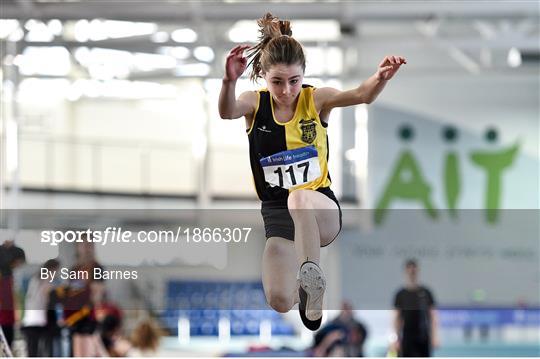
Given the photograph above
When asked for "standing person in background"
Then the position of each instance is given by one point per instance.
(415, 317)
(38, 332)
(11, 257)
(286, 126)
(78, 299)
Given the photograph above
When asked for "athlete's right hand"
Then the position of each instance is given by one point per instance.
(236, 63)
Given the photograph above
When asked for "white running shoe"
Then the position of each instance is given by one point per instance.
(312, 285)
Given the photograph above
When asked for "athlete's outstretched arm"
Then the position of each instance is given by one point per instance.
(229, 106)
(327, 98)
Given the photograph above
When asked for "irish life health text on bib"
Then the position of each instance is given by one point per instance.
(288, 169)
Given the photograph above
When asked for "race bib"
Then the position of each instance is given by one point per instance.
(291, 168)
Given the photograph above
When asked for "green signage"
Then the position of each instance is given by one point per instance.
(407, 182)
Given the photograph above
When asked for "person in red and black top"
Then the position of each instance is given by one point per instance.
(77, 299)
(11, 257)
(415, 317)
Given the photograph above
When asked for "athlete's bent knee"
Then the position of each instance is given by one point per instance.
(280, 302)
(299, 199)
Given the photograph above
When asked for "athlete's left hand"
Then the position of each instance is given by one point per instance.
(389, 66)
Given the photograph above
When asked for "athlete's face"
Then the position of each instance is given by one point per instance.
(284, 82)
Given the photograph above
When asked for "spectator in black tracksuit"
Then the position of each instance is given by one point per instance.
(415, 319)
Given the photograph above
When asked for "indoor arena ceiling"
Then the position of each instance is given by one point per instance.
(470, 36)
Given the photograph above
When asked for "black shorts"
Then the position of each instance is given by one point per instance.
(278, 221)
(415, 348)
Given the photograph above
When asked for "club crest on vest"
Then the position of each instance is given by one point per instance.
(309, 131)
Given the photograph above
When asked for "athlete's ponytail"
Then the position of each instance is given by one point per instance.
(276, 46)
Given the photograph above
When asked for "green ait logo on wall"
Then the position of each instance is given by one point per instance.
(406, 181)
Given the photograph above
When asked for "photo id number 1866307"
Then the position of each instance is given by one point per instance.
(216, 235)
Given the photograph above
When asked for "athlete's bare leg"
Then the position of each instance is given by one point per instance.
(279, 268)
(316, 220)
(316, 223)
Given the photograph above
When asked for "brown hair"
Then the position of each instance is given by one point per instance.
(276, 46)
(146, 336)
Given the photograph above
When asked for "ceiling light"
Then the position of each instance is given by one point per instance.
(7, 27)
(184, 35)
(204, 53)
(82, 30)
(514, 57)
(55, 27)
(160, 37)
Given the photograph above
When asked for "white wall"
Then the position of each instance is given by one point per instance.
(146, 145)
(466, 259)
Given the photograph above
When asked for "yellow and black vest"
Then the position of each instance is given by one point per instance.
(288, 156)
